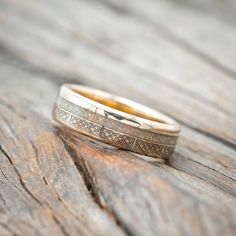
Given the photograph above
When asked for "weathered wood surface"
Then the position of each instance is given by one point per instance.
(177, 59)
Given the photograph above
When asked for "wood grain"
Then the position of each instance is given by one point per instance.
(55, 183)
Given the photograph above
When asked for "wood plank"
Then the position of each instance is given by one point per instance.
(78, 186)
(41, 189)
(54, 183)
(118, 71)
(207, 95)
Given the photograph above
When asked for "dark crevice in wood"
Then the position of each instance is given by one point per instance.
(61, 227)
(4, 175)
(56, 193)
(36, 199)
(85, 173)
(46, 183)
(19, 176)
(45, 180)
(62, 202)
(168, 162)
(91, 186)
(173, 38)
(16, 186)
(36, 156)
(34, 148)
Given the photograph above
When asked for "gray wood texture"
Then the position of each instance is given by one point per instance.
(175, 56)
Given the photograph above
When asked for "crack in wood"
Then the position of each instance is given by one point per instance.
(19, 176)
(53, 216)
(46, 183)
(58, 223)
(90, 184)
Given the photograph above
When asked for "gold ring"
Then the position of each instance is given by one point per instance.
(116, 121)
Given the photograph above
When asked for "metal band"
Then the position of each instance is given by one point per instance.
(131, 126)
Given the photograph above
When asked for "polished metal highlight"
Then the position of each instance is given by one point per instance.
(116, 121)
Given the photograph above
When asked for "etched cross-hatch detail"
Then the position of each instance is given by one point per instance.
(85, 125)
(122, 140)
(149, 148)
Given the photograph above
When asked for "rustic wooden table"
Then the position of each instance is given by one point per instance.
(175, 56)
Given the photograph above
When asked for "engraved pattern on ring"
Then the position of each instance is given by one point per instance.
(112, 136)
(91, 116)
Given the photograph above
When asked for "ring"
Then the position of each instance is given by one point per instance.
(116, 121)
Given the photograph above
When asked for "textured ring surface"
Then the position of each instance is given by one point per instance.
(116, 121)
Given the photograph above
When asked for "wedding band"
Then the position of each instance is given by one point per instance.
(116, 121)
